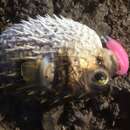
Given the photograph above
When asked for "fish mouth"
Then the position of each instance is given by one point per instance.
(100, 77)
(99, 80)
(119, 52)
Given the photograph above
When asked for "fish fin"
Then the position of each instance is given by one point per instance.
(29, 70)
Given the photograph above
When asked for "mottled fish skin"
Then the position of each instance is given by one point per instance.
(38, 37)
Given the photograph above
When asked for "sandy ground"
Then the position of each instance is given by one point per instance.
(108, 112)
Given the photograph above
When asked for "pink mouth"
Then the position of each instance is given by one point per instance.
(121, 55)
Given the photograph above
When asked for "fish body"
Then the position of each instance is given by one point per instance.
(53, 54)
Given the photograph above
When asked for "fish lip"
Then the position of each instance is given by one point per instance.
(119, 52)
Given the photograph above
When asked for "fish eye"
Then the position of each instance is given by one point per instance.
(99, 60)
(100, 78)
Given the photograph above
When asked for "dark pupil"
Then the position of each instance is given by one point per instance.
(100, 76)
(99, 60)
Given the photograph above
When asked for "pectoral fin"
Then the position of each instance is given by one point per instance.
(29, 70)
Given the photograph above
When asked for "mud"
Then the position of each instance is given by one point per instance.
(110, 111)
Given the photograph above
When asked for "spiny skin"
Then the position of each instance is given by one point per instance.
(53, 31)
(72, 47)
